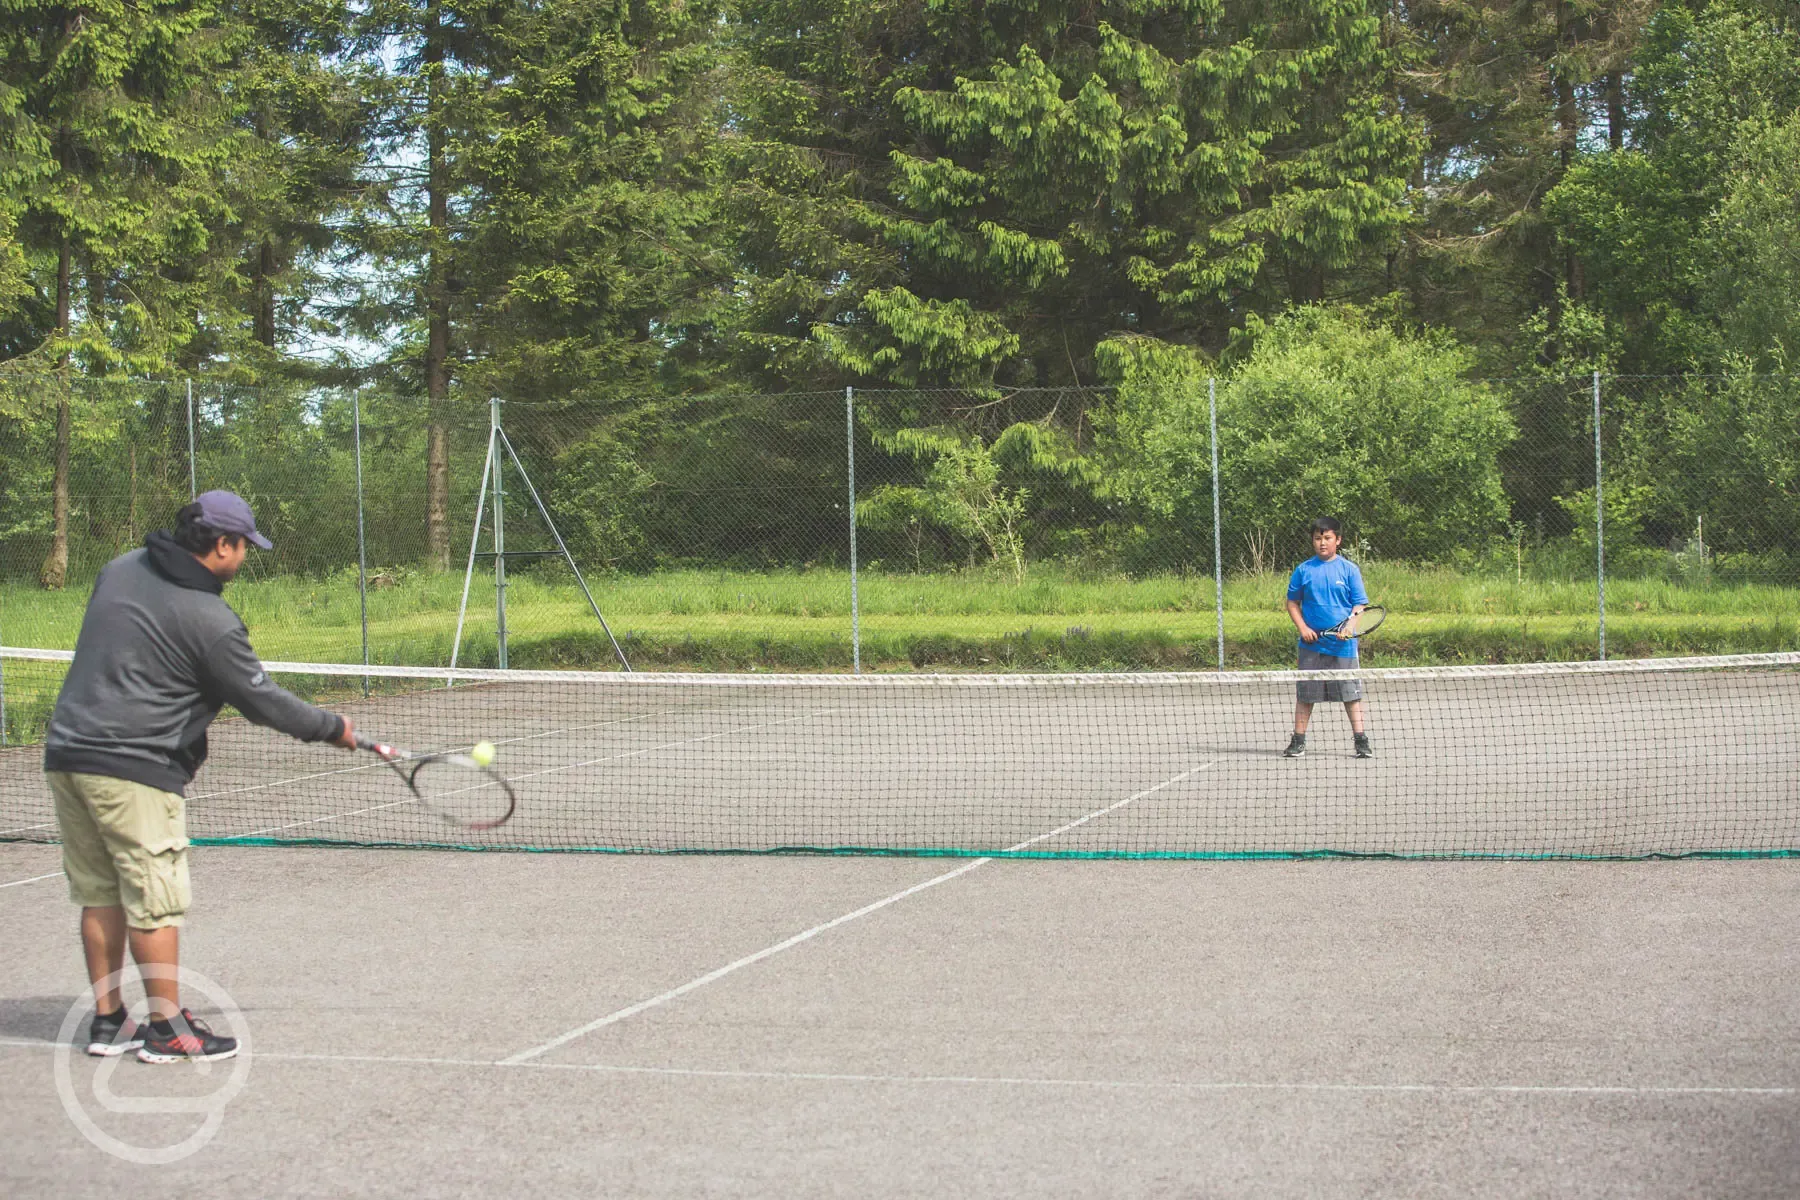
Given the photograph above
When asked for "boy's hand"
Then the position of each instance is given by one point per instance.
(1308, 633)
(346, 739)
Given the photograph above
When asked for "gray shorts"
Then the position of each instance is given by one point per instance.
(1327, 690)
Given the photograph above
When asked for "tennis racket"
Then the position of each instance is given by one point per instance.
(452, 786)
(1358, 625)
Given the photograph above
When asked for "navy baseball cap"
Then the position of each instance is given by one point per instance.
(228, 512)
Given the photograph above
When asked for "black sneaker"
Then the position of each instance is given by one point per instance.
(1363, 749)
(113, 1034)
(1296, 746)
(185, 1039)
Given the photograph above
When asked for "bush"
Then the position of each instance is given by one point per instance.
(1328, 414)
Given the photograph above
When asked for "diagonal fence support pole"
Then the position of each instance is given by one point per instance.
(850, 472)
(1599, 518)
(462, 609)
(561, 546)
(1212, 408)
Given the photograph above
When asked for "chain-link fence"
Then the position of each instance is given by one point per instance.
(993, 529)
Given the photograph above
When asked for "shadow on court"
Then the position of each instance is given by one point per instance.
(433, 1024)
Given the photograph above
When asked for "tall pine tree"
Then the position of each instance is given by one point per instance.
(116, 143)
(977, 193)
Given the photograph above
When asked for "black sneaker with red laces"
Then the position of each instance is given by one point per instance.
(185, 1039)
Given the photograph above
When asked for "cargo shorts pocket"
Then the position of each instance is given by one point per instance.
(154, 887)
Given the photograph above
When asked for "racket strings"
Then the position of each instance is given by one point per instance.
(462, 791)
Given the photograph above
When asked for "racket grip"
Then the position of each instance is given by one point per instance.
(381, 748)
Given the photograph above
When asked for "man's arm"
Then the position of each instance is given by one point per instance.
(232, 672)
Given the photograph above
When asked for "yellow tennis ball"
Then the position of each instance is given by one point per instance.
(483, 753)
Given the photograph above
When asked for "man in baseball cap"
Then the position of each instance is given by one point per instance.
(159, 654)
(227, 512)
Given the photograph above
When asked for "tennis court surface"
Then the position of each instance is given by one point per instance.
(951, 1015)
(436, 1023)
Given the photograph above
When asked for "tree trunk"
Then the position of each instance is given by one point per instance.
(265, 294)
(1615, 111)
(1306, 283)
(262, 296)
(437, 305)
(55, 572)
(1568, 132)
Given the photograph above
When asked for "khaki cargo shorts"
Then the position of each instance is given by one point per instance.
(124, 844)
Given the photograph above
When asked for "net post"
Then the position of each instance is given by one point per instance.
(499, 529)
(362, 546)
(193, 471)
(561, 546)
(462, 609)
(1212, 409)
(1599, 518)
(850, 473)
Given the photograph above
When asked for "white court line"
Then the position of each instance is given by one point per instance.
(1173, 1085)
(33, 879)
(807, 935)
(534, 774)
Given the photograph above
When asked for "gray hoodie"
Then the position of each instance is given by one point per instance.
(159, 653)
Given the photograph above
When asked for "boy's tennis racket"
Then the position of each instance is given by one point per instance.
(453, 786)
(1358, 625)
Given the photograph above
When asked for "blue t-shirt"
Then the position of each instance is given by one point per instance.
(1327, 591)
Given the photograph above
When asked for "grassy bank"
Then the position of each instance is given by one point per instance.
(801, 619)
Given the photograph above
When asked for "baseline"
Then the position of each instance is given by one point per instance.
(1172, 1085)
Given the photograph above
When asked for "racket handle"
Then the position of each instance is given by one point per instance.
(382, 748)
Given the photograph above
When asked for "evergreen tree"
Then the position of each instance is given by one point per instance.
(306, 105)
(1510, 92)
(592, 259)
(981, 193)
(1683, 227)
(408, 233)
(115, 143)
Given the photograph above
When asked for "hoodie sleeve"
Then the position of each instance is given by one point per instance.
(235, 675)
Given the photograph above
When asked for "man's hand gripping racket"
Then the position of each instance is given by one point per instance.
(463, 789)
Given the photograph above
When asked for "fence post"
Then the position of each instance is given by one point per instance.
(193, 473)
(850, 463)
(1212, 408)
(1599, 517)
(362, 549)
(499, 530)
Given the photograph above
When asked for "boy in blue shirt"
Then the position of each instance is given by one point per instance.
(1322, 593)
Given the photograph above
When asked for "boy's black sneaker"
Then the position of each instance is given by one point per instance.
(185, 1039)
(1296, 746)
(1363, 749)
(113, 1034)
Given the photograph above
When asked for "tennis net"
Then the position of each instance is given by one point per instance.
(1579, 760)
